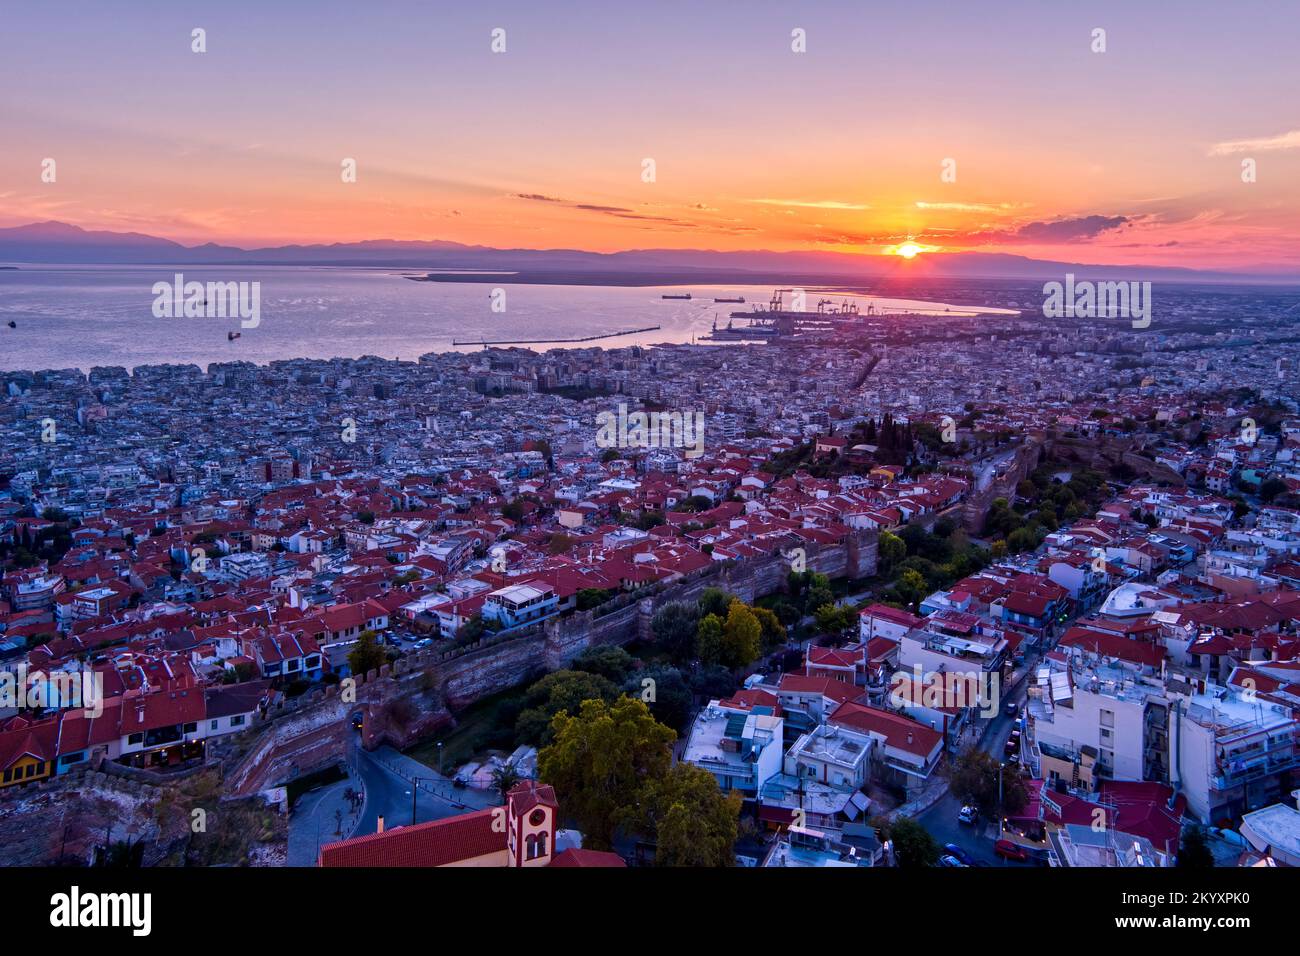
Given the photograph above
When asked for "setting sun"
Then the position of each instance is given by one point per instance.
(908, 250)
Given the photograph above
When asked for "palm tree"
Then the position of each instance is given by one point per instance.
(504, 779)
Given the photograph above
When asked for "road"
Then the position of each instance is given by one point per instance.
(388, 793)
(941, 819)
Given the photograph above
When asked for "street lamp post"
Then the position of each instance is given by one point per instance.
(440, 758)
(415, 791)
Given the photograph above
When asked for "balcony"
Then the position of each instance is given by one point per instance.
(1255, 769)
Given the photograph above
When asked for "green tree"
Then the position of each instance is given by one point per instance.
(471, 630)
(366, 655)
(708, 640)
(674, 627)
(504, 779)
(592, 597)
(607, 660)
(715, 601)
(818, 596)
(911, 584)
(771, 628)
(692, 822)
(601, 760)
(741, 637)
(913, 845)
(563, 690)
(973, 776)
(668, 696)
(1194, 853)
(832, 620)
(892, 549)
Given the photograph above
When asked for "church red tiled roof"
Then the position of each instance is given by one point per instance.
(437, 843)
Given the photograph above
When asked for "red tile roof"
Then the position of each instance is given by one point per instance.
(901, 733)
(437, 843)
(575, 857)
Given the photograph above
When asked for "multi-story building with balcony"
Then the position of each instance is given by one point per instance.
(1229, 750)
(1226, 750)
(742, 749)
(520, 604)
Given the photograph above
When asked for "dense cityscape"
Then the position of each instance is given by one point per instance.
(922, 591)
(720, 443)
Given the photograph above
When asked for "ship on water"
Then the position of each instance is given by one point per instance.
(740, 300)
(684, 295)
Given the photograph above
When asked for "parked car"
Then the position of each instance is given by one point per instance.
(968, 814)
(1010, 851)
(947, 860)
(952, 849)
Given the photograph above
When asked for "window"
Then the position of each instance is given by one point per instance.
(213, 725)
(534, 846)
(237, 720)
(190, 728)
(135, 739)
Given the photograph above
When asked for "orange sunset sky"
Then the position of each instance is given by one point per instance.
(1133, 155)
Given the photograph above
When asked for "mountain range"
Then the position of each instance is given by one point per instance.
(58, 242)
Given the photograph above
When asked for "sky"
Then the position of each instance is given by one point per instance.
(1132, 155)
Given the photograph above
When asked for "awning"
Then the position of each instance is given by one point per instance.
(779, 815)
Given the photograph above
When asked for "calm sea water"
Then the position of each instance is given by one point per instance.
(81, 316)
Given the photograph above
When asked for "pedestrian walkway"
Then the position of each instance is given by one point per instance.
(323, 816)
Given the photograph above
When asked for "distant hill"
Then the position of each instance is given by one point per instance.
(59, 242)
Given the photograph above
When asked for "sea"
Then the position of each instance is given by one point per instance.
(80, 316)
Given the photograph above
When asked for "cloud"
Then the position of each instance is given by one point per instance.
(809, 203)
(620, 212)
(966, 206)
(1078, 229)
(1289, 140)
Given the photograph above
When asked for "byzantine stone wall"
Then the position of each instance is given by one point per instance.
(314, 731)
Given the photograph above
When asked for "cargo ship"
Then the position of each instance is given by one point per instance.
(739, 301)
(684, 295)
